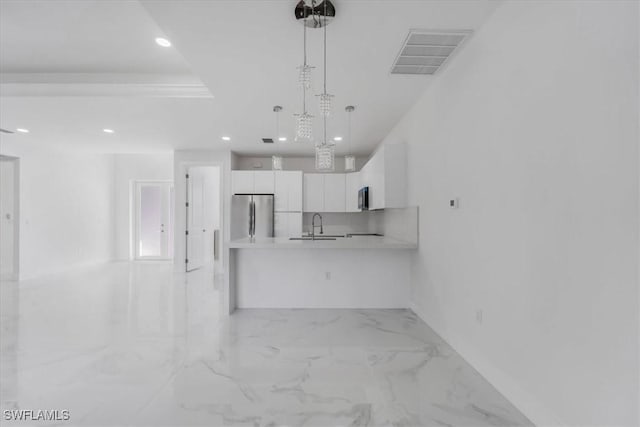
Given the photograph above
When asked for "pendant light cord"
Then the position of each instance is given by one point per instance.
(304, 67)
(325, 66)
(349, 148)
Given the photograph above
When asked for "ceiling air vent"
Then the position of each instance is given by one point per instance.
(425, 51)
(267, 140)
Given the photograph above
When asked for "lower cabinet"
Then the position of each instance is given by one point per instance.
(288, 224)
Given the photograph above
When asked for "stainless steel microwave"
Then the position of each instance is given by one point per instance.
(363, 199)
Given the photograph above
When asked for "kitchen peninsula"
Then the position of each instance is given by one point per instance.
(301, 239)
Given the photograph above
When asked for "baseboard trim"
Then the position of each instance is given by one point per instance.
(531, 407)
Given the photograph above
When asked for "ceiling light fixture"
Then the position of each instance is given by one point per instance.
(226, 138)
(108, 130)
(325, 151)
(304, 121)
(282, 139)
(349, 159)
(276, 163)
(163, 42)
(337, 138)
(22, 130)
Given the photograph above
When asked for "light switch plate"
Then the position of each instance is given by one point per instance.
(454, 203)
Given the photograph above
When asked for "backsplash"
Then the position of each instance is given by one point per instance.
(397, 223)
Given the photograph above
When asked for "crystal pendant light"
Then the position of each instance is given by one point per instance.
(349, 160)
(325, 157)
(276, 163)
(325, 151)
(304, 121)
(325, 98)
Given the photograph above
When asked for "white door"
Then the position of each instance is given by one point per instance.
(8, 224)
(195, 221)
(154, 221)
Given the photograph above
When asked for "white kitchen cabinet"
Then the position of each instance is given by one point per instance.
(288, 191)
(334, 192)
(352, 184)
(313, 192)
(288, 224)
(252, 182)
(385, 175)
(324, 192)
(264, 182)
(242, 182)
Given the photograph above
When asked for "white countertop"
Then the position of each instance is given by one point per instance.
(355, 242)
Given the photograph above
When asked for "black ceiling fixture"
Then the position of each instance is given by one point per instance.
(319, 12)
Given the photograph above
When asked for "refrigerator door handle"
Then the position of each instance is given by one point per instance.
(252, 218)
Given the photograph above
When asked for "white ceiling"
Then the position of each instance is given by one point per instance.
(245, 52)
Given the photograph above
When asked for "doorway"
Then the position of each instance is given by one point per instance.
(154, 220)
(9, 220)
(203, 216)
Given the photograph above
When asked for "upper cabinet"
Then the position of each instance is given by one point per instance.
(288, 191)
(353, 183)
(264, 182)
(385, 175)
(334, 191)
(252, 182)
(313, 192)
(324, 192)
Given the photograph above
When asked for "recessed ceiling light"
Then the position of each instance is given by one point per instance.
(22, 130)
(282, 138)
(337, 138)
(226, 138)
(108, 130)
(163, 42)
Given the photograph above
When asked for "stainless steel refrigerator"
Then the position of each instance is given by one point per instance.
(251, 215)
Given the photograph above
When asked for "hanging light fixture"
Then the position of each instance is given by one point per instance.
(349, 160)
(276, 163)
(304, 121)
(325, 151)
(325, 98)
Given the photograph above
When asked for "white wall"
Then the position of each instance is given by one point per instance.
(128, 169)
(9, 230)
(66, 207)
(534, 126)
(304, 164)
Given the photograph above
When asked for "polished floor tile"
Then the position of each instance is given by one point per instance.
(137, 344)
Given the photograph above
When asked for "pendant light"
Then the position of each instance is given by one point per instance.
(349, 160)
(304, 121)
(325, 151)
(325, 98)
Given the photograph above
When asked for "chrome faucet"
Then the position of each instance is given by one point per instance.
(313, 225)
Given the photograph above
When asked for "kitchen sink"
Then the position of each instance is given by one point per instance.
(311, 238)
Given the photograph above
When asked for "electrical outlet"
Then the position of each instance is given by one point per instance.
(327, 275)
(479, 315)
(454, 203)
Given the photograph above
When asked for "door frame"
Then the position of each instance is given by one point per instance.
(135, 234)
(181, 219)
(15, 273)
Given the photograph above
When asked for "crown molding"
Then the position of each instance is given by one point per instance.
(101, 85)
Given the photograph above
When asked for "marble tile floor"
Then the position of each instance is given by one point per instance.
(136, 344)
